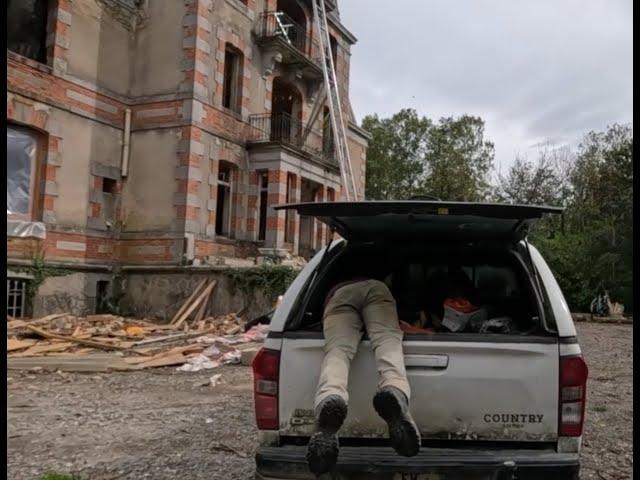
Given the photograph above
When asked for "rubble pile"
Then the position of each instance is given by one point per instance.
(133, 344)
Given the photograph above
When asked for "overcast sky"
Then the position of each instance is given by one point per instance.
(535, 71)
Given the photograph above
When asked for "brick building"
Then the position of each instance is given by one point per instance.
(151, 133)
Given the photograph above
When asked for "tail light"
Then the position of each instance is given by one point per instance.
(266, 370)
(573, 394)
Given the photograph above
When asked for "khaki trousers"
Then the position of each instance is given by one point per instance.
(370, 303)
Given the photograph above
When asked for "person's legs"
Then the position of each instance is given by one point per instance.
(342, 331)
(381, 322)
(392, 398)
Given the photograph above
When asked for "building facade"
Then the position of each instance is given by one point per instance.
(148, 133)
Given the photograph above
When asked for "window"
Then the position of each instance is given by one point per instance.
(109, 185)
(16, 297)
(223, 203)
(27, 28)
(288, 229)
(327, 134)
(102, 296)
(22, 152)
(264, 199)
(232, 83)
(333, 43)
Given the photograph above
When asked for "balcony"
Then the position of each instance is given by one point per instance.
(277, 32)
(283, 129)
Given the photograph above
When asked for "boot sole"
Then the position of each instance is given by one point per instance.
(322, 452)
(403, 432)
(332, 414)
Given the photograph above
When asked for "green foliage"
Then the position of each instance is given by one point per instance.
(40, 271)
(595, 250)
(395, 155)
(410, 155)
(271, 279)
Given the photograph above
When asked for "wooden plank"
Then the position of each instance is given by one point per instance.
(196, 302)
(203, 306)
(184, 306)
(40, 349)
(174, 359)
(100, 362)
(14, 344)
(80, 341)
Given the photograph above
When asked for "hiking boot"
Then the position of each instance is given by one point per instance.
(322, 452)
(392, 405)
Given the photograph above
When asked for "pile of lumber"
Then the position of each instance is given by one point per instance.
(136, 343)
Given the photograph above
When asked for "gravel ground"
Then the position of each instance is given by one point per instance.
(160, 424)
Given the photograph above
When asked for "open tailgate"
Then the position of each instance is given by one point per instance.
(377, 220)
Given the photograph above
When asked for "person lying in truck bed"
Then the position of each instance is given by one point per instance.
(355, 301)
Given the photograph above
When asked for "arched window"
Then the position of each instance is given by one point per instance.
(24, 147)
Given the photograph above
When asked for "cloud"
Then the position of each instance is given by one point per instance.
(535, 71)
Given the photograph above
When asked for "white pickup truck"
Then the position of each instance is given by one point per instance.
(505, 405)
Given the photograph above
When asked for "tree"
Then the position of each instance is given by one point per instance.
(597, 247)
(544, 181)
(458, 159)
(410, 155)
(396, 154)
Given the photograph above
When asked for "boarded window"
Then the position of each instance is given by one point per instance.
(232, 84)
(22, 150)
(27, 28)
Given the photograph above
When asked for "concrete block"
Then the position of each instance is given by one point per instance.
(192, 226)
(73, 246)
(188, 199)
(96, 223)
(92, 102)
(50, 188)
(107, 171)
(191, 173)
(64, 16)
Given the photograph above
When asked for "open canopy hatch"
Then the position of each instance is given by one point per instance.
(416, 219)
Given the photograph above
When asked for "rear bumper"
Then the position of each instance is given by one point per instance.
(383, 463)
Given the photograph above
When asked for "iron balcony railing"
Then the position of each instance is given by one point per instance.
(279, 25)
(284, 129)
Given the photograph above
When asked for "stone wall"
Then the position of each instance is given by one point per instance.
(158, 295)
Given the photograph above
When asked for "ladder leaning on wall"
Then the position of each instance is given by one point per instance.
(332, 95)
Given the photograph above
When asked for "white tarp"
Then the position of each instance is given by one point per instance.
(21, 152)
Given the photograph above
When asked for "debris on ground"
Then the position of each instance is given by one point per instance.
(109, 342)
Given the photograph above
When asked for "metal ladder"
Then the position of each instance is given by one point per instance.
(333, 98)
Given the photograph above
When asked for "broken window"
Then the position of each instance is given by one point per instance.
(22, 152)
(27, 28)
(264, 199)
(223, 203)
(16, 297)
(232, 82)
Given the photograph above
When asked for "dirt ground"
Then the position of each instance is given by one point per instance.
(162, 424)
